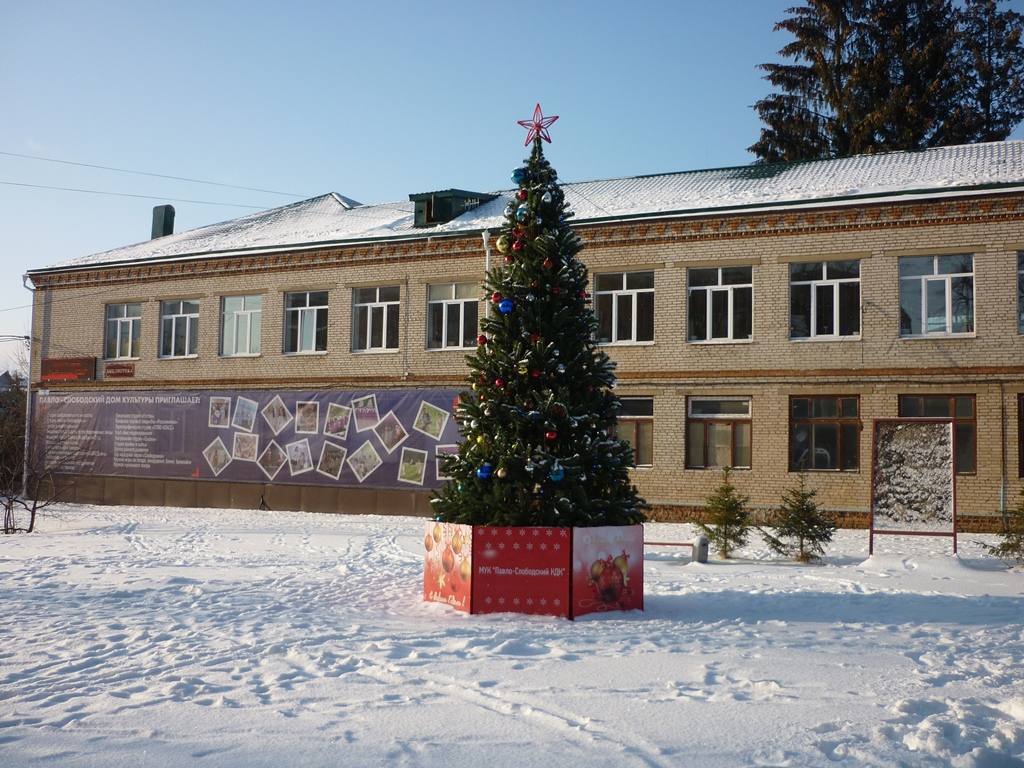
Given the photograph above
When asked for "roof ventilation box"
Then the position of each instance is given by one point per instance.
(163, 221)
(438, 207)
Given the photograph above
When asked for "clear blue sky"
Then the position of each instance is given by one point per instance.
(374, 100)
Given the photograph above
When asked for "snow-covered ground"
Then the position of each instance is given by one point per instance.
(157, 637)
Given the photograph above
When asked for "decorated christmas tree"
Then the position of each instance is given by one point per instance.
(538, 427)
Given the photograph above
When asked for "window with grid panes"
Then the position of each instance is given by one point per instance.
(635, 425)
(452, 310)
(241, 322)
(961, 409)
(1020, 292)
(719, 303)
(936, 295)
(305, 322)
(375, 318)
(124, 329)
(718, 432)
(179, 328)
(824, 299)
(624, 304)
(824, 433)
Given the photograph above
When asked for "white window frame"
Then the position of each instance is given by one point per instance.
(817, 287)
(720, 419)
(123, 329)
(379, 314)
(243, 323)
(610, 303)
(1020, 292)
(935, 278)
(179, 317)
(449, 303)
(306, 319)
(729, 291)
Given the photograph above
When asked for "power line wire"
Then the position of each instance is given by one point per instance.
(156, 175)
(126, 194)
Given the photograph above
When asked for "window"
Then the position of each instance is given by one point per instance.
(1020, 434)
(824, 299)
(965, 425)
(124, 327)
(375, 318)
(635, 425)
(936, 295)
(179, 328)
(1020, 292)
(718, 432)
(824, 433)
(305, 322)
(240, 325)
(451, 315)
(625, 307)
(719, 303)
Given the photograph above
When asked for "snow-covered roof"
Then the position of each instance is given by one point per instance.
(333, 219)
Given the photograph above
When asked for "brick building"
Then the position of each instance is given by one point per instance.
(761, 317)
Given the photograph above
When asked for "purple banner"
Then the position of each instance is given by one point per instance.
(375, 439)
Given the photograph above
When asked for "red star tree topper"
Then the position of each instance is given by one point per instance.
(538, 126)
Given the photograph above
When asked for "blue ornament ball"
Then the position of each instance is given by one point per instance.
(522, 212)
(518, 175)
(506, 306)
(557, 474)
(484, 471)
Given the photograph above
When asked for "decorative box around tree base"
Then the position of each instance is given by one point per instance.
(541, 570)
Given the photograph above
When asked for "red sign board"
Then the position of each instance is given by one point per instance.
(448, 566)
(549, 571)
(608, 569)
(119, 371)
(522, 569)
(68, 369)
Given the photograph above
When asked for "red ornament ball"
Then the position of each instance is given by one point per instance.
(548, 263)
(496, 297)
(522, 194)
(517, 245)
(535, 373)
(499, 382)
(555, 290)
(551, 434)
(447, 559)
(608, 581)
(481, 339)
(534, 338)
(510, 259)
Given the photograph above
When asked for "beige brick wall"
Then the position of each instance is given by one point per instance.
(877, 366)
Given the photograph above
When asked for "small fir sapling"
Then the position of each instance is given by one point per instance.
(537, 424)
(1011, 546)
(728, 519)
(800, 528)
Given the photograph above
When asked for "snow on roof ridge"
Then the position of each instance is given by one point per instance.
(333, 218)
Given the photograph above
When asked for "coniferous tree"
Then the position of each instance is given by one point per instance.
(992, 68)
(538, 445)
(819, 112)
(884, 75)
(913, 90)
(800, 528)
(1011, 547)
(728, 519)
